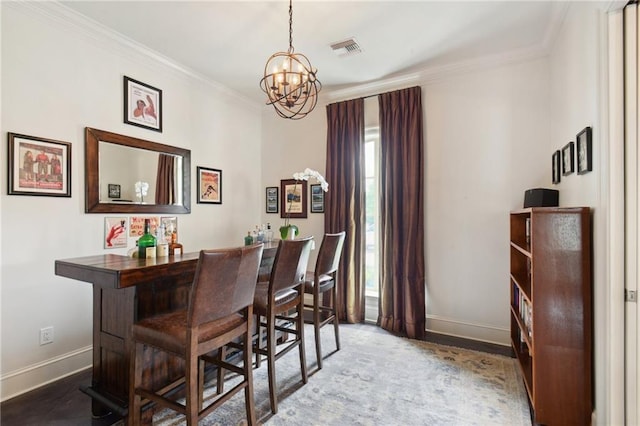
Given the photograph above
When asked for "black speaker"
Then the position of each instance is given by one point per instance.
(541, 197)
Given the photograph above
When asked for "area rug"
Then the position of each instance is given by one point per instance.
(380, 379)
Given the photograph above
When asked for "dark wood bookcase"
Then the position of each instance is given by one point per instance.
(551, 311)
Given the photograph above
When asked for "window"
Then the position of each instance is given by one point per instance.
(371, 224)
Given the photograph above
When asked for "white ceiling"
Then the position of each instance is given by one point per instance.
(229, 42)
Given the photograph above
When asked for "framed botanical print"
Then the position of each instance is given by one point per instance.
(555, 167)
(293, 202)
(567, 159)
(584, 157)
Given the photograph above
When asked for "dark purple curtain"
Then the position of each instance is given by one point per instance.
(165, 182)
(344, 208)
(402, 280)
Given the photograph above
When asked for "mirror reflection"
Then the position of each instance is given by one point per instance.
(130, 175)
(142, 176)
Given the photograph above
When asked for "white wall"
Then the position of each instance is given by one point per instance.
(484, 130)
(578, 99)
(59, 76)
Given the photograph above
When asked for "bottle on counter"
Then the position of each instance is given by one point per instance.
(259, 235)
(175, 248)
(268, 236)
(147, 243)
(248, 240)
(162, 247)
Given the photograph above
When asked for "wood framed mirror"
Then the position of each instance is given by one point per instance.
(129, 175)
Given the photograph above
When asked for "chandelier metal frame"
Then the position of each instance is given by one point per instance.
(290, 82)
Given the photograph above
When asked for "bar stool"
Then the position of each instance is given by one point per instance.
(323, 280)
(220, 309)
(281, 302)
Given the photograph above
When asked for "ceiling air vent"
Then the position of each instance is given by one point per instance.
(346, 47)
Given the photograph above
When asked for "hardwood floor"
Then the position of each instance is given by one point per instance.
(57, 404)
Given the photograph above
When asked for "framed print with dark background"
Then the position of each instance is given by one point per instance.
(293, 202)
(555, 167)
(567, 159)
(39, 166)
(271, 199)
(317, 199)
(209, 185)
(583, 146)
(114, 190)
(142, 105)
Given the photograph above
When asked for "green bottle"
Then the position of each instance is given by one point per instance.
(248, 240)
(147, 243)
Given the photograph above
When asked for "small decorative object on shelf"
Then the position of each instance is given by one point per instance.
(141, 190)
(248, 240)
(289, 231)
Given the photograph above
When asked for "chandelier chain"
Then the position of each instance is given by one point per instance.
(290, 26)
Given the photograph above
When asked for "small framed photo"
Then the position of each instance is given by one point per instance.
(115, 232)
(209, 186)
(555, 167)
(271, 199)
(293, 202)
(39, 166)
(114, 190)
(567, 159)
(142, 105)
(317, 199)
(583, 142)
(170, 224)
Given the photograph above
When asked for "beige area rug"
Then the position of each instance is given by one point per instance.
(380, 379)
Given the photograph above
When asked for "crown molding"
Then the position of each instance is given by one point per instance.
(434, 73)
(98, 34)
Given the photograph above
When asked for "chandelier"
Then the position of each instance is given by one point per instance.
(290, 81)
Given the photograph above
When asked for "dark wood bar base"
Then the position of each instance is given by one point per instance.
(126, 290)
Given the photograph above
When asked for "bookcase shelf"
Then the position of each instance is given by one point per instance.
(550, 310)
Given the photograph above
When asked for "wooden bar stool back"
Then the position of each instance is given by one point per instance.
(281, 302)
(220, 310)
(323, 279)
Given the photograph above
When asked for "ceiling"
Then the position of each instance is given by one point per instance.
(229, 42)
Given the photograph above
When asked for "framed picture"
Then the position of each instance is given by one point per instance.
(115, 232)
(170, 226)
(555, 167)
(272, 199)
(294, 198)
(142, 105)
(39, 166)
(209, 186)
(567, 159)
(136, 225)
(114, 190)
(317, 199)
(583, 142)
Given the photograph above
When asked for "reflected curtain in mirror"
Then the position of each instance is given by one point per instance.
(166, 182)
(344, 203)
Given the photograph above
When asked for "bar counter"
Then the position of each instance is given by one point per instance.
(126, 290)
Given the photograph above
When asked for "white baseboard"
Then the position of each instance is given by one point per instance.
(37, 375)
(465, 330)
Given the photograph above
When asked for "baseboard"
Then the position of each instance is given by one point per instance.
(470, 331)
(37, 375)
(462, 342)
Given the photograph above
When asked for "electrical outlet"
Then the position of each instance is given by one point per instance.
(46, 335)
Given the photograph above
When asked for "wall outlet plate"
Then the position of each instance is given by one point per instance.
(46, 335)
